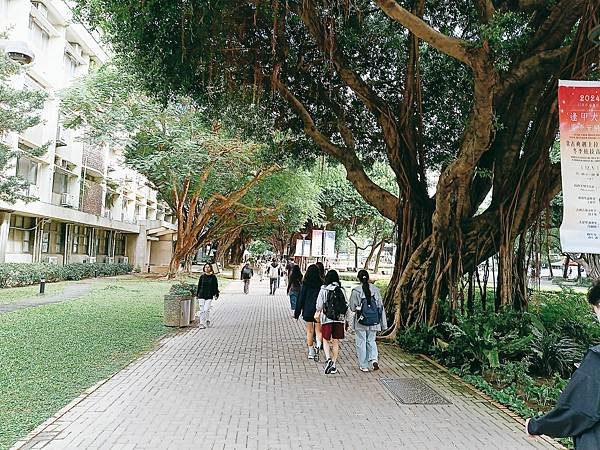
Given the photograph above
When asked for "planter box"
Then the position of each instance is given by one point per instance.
(174, 309)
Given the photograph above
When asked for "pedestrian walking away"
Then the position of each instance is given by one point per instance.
(369, 318)
(577, 413)
(247, 274)
(208, 290)
(332, 311)
(293, 286)
(306, 306)
(274, 273)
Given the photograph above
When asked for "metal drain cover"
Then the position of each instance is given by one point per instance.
(412, 391)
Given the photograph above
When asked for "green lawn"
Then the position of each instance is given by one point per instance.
(50, 354)
(13, 295)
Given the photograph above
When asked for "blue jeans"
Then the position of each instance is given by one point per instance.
(366, 348)
(293, 299)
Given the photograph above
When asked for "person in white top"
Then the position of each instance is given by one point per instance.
(369, 318)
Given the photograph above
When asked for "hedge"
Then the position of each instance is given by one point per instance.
(23, 274)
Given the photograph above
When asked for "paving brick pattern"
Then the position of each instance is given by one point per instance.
(246, 383)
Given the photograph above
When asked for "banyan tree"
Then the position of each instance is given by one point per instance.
(458, 97)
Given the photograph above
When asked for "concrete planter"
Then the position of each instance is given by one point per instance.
(237, 272)
(193, 309)
(175, 306)
(184, 320)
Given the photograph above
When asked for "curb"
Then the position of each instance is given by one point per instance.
(490, 400)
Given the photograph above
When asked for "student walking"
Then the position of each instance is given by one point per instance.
(247, 274)
(332, 311)
(274, 274)
(208, 289)
(293, 286)
(369, 318)
(306, 306)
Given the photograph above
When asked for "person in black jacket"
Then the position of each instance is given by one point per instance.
(246, 275)
(306, 305)
(577, 413)
(208, 289)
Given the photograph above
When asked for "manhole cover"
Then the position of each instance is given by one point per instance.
(411, 391)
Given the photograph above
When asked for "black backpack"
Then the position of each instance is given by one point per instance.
(335, 306)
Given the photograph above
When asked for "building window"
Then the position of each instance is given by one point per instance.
(53, 238)
(27, 169)
(39, 36)
(80, 240)
(20, 234)
(120, 242)
(70, 66)
(60, 183)
(103, 242)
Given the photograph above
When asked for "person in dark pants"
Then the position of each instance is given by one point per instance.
(293, 286)
(577, 413)
(247, 274)
(274, 274)
(208, 289)
(306, 306)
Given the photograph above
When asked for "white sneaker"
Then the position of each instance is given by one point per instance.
(202, 326)
(208, 323)
(364, 369)
(311, 353)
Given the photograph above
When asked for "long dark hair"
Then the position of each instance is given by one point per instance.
(332, 277)
(321, 267)
(312, 277)
(363, 277)
(296, 276)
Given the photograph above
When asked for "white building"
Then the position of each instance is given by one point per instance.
(91, 207)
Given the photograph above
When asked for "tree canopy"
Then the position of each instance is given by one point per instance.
(464, 89)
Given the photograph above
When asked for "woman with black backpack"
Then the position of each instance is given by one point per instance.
(369, 318)
(332, 311)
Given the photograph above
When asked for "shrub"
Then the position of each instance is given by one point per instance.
(182, 289)
(420, 339)
(23, 274)
(552, 353)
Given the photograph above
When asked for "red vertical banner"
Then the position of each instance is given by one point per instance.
(579, 114)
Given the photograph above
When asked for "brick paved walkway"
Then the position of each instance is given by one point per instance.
(246, 383)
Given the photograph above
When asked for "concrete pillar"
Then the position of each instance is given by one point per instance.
(137, 247)
(4, 227)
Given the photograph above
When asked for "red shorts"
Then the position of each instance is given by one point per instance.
(333, 330)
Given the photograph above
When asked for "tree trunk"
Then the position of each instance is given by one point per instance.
(550, 264)
(378, 257)
(374, 246)
(237, 251)
(566, 267)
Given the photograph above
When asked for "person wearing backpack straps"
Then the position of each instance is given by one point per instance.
(369, 318)
(332, 310)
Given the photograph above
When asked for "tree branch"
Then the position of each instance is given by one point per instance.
(385, 202)
(529, 69)
(453, 47)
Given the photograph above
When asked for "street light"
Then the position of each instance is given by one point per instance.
(594, 35)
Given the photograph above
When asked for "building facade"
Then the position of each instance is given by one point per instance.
(90, 207)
